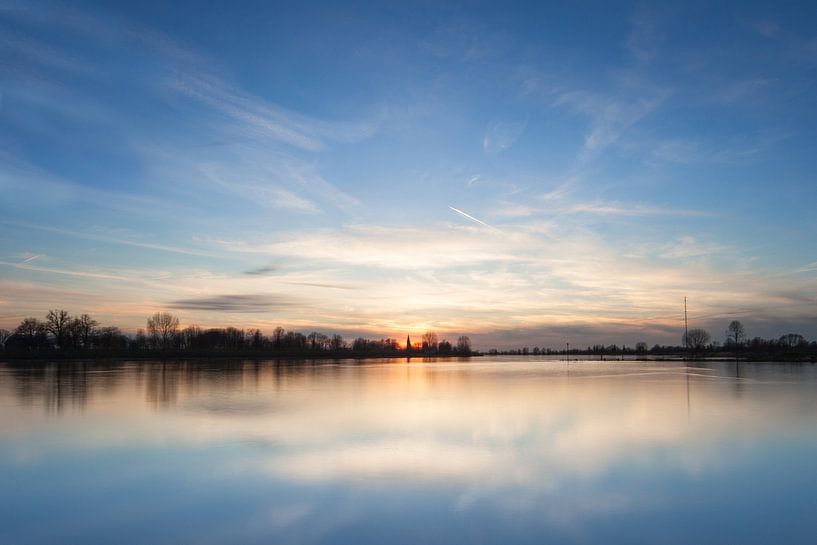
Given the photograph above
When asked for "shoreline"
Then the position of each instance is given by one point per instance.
(55, 358)
(51, 358)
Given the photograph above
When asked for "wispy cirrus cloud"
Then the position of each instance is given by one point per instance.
(610, 116)
(259, 119)
(646, 36)
(53, 270)
(750, 147)
(690, 247)
(613, 208)
(501, 135)
(101, 236)
(22, 53)
(191, 86)
(270, 180)
(566, 201)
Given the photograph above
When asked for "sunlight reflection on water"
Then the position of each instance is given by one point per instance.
(526, 450)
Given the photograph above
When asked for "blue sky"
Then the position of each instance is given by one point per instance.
(524, 174)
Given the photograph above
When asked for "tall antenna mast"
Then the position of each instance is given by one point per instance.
(686, 326)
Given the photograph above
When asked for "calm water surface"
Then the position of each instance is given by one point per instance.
(498, 450)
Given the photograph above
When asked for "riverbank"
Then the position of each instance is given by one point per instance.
(55, 357)
(244, 355)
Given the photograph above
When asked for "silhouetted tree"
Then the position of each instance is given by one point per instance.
(57, 322)
(735, 333)
(337, 342)
(256, 341)
(110, 338)
(4, 335)
(233, 338)
(278, 337)
(85, 328)
(430, 341)
(464, 345)
(30, 335)
(641, 347)
(162, 328)
(294, 341)
(190, 336)
(792, 340)
(318, 341)
(444, 347)
(72, 337)
(697, 338)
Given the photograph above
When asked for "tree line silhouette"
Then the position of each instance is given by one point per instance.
(61, 334)
(697, 342)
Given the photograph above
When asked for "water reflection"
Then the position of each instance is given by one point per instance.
(350, 452)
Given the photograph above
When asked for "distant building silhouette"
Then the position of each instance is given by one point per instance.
(408, 342)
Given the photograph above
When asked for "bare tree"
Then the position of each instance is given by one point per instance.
(4, 336)
(57, 322)
(162, 328)
(430, 341)
(32, 333)
(255, 339)
(735, 333)
(189, 336)
(337, 342)
(792, 340)
(28, 327)
(85, 327)
(464, 345)
(278, 336)
(696, 338)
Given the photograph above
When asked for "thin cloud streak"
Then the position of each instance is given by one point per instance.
(472, 218)
(83, 274)
(114, 240)
(262, 271)
(240, 303)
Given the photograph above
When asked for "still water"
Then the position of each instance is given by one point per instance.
(491, 450)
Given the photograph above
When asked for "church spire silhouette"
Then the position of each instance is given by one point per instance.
(408, 342)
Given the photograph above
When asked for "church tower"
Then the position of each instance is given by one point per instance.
(408, 343)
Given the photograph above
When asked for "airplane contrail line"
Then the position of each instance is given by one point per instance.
(472, 218)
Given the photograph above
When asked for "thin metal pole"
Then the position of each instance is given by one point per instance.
(686, 326)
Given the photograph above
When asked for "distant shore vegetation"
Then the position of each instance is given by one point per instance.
(60, 334)
(696, 343)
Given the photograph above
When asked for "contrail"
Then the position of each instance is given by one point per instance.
(472, 218)
(30, 259)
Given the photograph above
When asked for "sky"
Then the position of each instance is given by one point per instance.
(525, 174)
